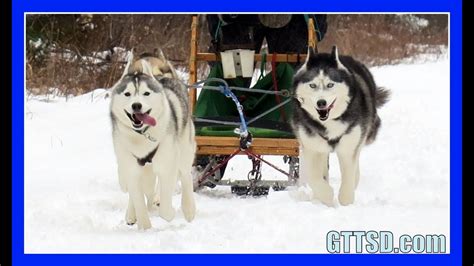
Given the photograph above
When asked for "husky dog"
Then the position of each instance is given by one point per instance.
(160, 66)
(153, 137)
(335, 110)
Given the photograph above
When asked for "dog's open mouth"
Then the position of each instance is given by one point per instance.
(138, 119)
(324, 112)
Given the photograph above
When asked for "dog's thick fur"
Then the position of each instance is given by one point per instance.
(153, 137)
(335, 110)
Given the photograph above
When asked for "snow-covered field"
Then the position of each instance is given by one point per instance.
(73, 203)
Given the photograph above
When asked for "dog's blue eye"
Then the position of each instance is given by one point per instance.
(146, 93)
(312, 85)
(127, 94)
(330, 85)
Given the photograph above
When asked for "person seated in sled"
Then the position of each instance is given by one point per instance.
(284, 33)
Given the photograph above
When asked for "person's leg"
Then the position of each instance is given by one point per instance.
(291, 38)
(234, 32)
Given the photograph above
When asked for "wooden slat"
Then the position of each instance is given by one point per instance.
(193, 61)
(263, 146)
(256, 142)
(290, 58)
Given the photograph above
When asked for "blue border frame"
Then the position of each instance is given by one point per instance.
(21, 6)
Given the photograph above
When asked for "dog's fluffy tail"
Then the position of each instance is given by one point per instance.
(382, 96)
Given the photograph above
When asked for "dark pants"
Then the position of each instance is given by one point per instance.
(246, 32)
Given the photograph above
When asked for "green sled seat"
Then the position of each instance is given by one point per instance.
(215, 106)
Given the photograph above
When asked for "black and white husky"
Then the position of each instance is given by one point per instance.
(153, 137)
(335, 110)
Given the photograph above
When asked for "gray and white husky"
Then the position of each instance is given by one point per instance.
(153, 137)
(335, 110)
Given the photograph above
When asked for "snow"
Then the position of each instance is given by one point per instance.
(416, 23)
(73, 203)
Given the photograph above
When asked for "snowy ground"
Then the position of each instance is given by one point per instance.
(73, 203)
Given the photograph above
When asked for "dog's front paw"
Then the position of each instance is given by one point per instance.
(130, 217)
(167, 213)
(346, 197)
(189, 210)
(324, 193)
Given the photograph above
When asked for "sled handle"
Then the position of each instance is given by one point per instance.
(193, 61)
(312, 40)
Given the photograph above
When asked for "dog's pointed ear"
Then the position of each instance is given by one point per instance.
(160, 53)
(162, 56)
(335, 53)
(335, 57)
(311, 53)
(146, 68)
(130, 58)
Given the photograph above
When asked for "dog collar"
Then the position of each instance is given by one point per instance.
(146, 135)
(142, 131)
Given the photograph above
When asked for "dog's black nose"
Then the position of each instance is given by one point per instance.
(321, 103)
(136, 107)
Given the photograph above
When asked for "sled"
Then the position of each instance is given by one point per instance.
(270, 134)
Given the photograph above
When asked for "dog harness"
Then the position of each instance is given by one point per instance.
(148, 158)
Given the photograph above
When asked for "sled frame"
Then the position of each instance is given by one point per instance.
(218, 145)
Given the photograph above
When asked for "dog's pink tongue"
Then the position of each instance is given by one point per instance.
(145, 118)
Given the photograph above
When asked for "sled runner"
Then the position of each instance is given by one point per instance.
(232, 119)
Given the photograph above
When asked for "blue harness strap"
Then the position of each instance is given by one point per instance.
(243, 132)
